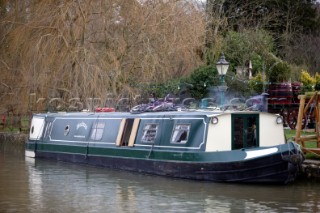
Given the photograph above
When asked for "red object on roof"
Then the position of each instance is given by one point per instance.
(105, 109)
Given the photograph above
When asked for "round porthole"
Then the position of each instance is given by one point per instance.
(214, 120)
(279, 120)
(66, 130)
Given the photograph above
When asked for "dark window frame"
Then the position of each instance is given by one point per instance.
(97, 130)
(177, 133)
(147, 132)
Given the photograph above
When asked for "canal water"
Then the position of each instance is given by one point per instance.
(28, 185)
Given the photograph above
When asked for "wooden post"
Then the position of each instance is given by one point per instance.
(317, 114)
(299, 121)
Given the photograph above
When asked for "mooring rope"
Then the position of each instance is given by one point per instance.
(150, 150)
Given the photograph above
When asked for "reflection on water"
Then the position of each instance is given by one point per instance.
(28, 185)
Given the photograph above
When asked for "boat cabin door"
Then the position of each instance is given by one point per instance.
(245, 130)
(127, 132)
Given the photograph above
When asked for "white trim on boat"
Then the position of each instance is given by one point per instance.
(30, 154)
(259, 153)
(137, 145)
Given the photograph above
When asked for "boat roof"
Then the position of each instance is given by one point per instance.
(184, 113)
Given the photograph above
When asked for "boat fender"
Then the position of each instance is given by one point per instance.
(294, 158)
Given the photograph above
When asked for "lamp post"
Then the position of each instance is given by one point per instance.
(222, 67)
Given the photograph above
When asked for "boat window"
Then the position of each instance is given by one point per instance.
(180, 133)
(97, 131)
(149, 133)
(48, 129)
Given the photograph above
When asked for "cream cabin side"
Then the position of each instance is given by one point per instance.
(219, 133)
(231, 131)
(271, 130)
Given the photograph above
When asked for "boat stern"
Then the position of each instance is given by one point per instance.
(35, 134)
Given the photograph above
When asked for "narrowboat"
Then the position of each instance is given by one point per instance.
(229, 146)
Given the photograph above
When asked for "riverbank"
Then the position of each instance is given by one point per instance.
(310, 169)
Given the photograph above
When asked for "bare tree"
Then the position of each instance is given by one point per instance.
(87, 48)
(216, 20)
